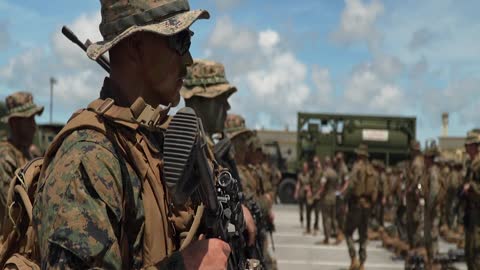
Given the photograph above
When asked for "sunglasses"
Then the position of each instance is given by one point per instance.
(181, 42)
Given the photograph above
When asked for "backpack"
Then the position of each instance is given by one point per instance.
(19, 249)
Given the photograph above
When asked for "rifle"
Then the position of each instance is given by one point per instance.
(257, 215)
(189, 174)
(223, 154)
(102, 60)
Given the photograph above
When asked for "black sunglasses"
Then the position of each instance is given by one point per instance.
(181, 42)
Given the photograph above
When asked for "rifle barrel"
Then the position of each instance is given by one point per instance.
(102, 60)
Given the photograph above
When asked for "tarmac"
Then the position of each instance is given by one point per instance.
(295, 251)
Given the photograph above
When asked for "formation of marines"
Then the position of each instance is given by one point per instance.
(98, 197)
(408, 206)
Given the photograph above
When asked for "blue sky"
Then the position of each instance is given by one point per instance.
(355, 56)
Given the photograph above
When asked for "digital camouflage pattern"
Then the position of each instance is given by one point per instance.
(362, 195)
(471, 195)
(328, 202)
(415, 172)
(431, 188)
(11, 158)
(206, 79)
(78, 218)
(120, 19)
(20, 104)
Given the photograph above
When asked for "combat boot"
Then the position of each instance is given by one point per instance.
(339, 239)
(355, 264)
(325, 241)
(362, 267)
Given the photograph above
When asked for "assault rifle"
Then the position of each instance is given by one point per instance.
(102, 60)
(189, 174)
(257, 215)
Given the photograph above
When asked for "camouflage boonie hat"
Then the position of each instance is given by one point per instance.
(473, 137)
(206, 79)
(122, 18)
(362, 150)
(21, 104)
(235, 125)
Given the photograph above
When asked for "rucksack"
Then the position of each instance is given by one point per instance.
(19, 248)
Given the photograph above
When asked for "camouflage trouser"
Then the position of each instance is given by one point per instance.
(328, 219)
(472, 247)
(302, 202)
(431, 232)
(379, 211)
(316, 208)
(413, 223)
(340, 213)
(357, 218)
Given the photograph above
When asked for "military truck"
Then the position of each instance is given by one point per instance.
(388, 139)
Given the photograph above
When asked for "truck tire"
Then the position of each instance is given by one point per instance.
(286, 190)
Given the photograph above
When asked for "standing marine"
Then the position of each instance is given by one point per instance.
(15, 150)
(303, 193)
(361, 195)
(342, 172)
(471, 196)
(415, 174)
(101, 200)
(431, 203)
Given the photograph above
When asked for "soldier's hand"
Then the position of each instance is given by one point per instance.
(206, 254)
(466, 187)
(250, 226)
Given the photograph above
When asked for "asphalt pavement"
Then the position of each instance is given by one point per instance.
(295, 251)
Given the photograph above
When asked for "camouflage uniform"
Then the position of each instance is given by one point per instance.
(101, 202)
(416, 172)
(343, 174)
(304, 180)
(431, 192)
(362, 194)
(328, 201)
(382, 187)
(472, 206)
(19, 104)
(316, 187)
(252, 177)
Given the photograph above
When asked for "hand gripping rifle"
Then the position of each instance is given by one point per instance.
(191, 172)
(102, 60)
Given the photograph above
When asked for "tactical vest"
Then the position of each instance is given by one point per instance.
(161, 225)
(365, 181)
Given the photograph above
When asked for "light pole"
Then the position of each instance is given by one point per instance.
(53, 81)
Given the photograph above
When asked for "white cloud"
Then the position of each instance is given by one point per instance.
(373, 88)
(78, 79)
(323, 84)
(225, 35)
(357, 23)
(85, 27)
(268, 39)
(271, 79)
